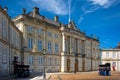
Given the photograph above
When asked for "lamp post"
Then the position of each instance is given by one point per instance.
(44, 74)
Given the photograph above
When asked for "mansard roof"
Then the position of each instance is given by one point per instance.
(40, 17)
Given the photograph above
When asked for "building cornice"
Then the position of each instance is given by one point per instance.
(110, 59)
(109, 49)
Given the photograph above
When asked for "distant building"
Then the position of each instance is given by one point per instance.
(111, 56)
(10, 43)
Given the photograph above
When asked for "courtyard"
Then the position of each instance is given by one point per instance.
(71, 76)
(85, 76)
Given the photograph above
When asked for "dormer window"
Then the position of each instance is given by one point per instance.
(49, 34)
(30, 28)
(39, 31)
(56, 36)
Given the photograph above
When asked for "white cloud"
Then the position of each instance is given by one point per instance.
(93, 5)
(91, 9)
(104, 3)
(55, 6)
(80, 20)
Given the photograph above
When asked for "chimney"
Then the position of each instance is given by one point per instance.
(56, 18)
(35, 11)
(24, 11)
(5, 9)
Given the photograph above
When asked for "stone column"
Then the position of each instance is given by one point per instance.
(70, 45)
(63, 42)
(62, 54)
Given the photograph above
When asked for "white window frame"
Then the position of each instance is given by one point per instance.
(30, 43)
(30, 60)
(1, 52)
(56, 47)
(49, 46)
(30, 28)
(40, 60)
(4, 55)
(56, 36)
(114, 55)
(40, 31)
(107, 54)
(49, 34)
(40, 45)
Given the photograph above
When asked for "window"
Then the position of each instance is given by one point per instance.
(56, 61)
(5, 52)
(39, 45)
(19, 42)
(56, 36)
(50, 34)
(114, 55)
(39, 31)
(30, 28)
(40, 60)
(30, 60)
(30, 40)
(4, 26)
(107, 54)
(0, 24)
(56, 47)
(50, 60)
(12, 35)
(49, 46)
(0, 52)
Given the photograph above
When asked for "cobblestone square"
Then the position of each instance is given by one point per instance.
(85, 76)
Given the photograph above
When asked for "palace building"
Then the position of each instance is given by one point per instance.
(66, 48)
(10, 43)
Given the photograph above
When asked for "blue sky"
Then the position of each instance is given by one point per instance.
(95, 17)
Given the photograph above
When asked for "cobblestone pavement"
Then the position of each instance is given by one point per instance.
(71, 76)
(85, 76)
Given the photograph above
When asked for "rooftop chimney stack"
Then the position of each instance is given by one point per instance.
(35, 11)
(5, 9)
(56, 18)
(24, 11)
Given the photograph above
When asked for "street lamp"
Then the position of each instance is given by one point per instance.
(44, 74)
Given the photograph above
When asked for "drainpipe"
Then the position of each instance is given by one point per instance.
(9, 39)
(91, 54)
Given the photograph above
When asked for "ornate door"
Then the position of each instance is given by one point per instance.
(76, 65)
(68, 64)
(83, 64)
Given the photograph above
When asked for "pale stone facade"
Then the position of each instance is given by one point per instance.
(10, 43)
(39, 28)
(111, 56)
(67, 48)
(76, 51)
